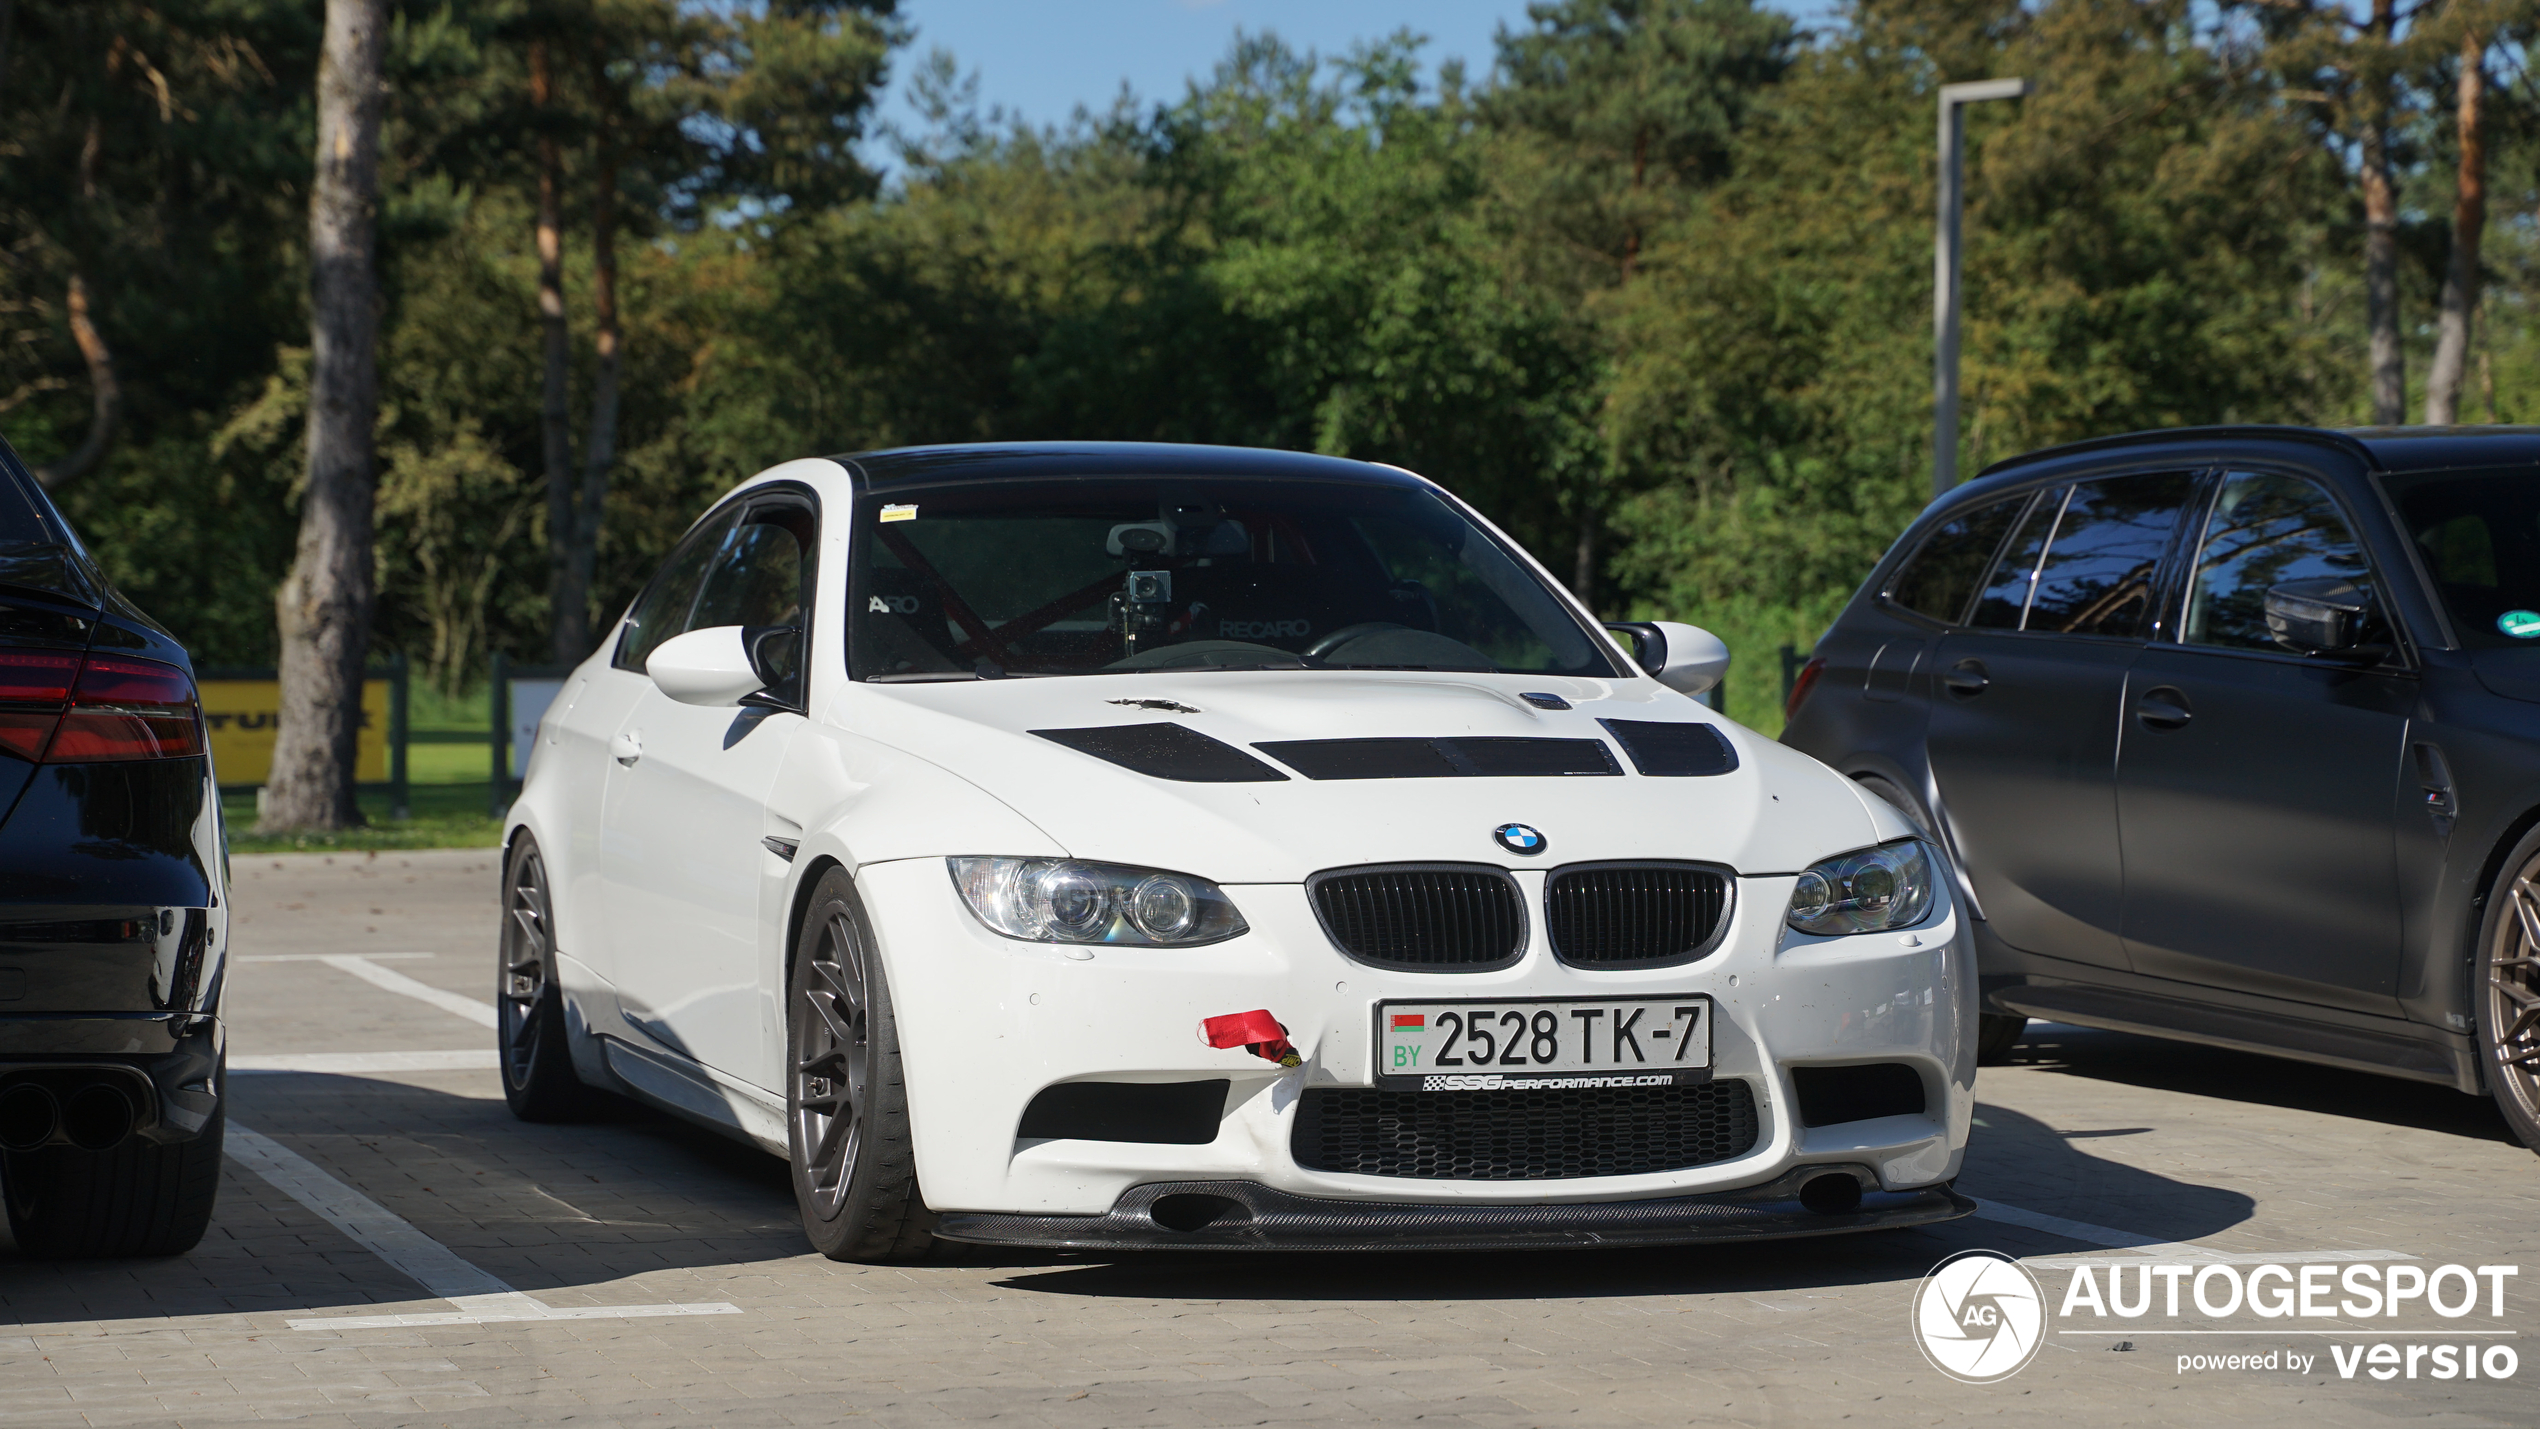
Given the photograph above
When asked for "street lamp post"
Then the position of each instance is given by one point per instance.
(1944, 364)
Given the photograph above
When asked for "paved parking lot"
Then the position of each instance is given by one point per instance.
(635, 1271)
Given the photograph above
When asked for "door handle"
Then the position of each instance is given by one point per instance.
(627, 747)
(2163, 707)
(1966, 679)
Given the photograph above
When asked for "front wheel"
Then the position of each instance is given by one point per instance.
(847, 1123)
(538, 1079)
(1996, 1034)
(2505, 990)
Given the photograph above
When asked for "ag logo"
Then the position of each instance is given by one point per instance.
(1520, 838)
(1979, 1316)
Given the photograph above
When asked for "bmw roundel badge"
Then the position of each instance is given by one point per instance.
(1520, 838)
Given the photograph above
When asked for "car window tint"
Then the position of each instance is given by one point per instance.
(20, 525)
(2479, 532)
(1941, 577)
(2005, 596)
(2100, 568)
(2264, 529)
(662, 610)
(761, 576)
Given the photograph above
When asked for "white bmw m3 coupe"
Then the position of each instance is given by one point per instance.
(1117, 846)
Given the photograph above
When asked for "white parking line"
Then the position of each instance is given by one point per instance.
(377, 976)
(2145, 1245)
(468, 1059)
(318, 957)
(481, 1298)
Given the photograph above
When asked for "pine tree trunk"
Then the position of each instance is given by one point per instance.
(324, 606)
(2469, 226)
(2381, 240)
(600, 451)
(105, 391)
(566, 598)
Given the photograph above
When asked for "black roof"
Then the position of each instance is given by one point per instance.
(909, 466)
(2386, 449)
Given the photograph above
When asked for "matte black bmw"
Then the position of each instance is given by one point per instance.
(2233, 735)
(113, 909)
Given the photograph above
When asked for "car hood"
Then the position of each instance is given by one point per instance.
(1777, 812)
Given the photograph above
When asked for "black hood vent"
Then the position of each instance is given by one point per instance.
(1167, 751)
(1667, 749)
(1442, 758)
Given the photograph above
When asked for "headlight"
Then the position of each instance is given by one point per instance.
(1058, 900)
(1889, 886)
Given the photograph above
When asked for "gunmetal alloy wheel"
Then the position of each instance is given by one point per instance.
(526, 943)
(854, 1159)
(833, 1066)
(529, 1030)
(2508, 994)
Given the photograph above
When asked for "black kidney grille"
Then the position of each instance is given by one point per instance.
(1519, 1135)
(1445, 919)
(1611, 915)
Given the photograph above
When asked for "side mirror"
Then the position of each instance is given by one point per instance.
(1685, 658)
(776, 653)
(2327, 616)
(709, 667)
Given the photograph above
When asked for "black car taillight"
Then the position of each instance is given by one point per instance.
(34, 686)
(57, 708)
(1800, 687)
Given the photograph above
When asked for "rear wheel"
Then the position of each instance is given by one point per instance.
(538, 1079)
(855, 1167)
(139, 1198)
(2506, 991)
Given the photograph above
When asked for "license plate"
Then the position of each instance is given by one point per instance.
(1543, 1042)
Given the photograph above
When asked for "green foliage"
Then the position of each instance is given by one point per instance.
(1654, 292)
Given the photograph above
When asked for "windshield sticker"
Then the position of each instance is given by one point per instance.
(2520, 624)
(1271, 629)
(899, 513)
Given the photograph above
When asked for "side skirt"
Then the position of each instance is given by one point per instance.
(700, 1094)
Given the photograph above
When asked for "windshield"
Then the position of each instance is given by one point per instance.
(1098, 575)
(2479, 534)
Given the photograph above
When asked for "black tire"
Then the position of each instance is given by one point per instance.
(846, 1103)
(529, 1032)
(1996, 1034)
(2505, 991)
(141, 1198)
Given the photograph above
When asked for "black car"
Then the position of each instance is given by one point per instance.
(114, 908)
(2235, 736)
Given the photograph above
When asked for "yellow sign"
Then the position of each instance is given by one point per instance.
(240, 716)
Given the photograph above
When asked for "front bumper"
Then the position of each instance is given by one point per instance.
(1237, 1215)
(987, 1023)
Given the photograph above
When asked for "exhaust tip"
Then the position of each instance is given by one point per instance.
(28, 1116)
(1831, 1195)
(97, 1117)
(1187, 1212)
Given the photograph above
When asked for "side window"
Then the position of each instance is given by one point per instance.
(2004, 600)
(2103, 563)
(662, 610)
(761, 577)
(2265, 529)
(1943, 575)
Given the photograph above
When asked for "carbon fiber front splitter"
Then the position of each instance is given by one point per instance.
(1239, 1215)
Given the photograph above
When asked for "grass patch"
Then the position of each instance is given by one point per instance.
(438, 816)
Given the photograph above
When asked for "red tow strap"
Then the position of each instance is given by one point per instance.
(1256, 1032)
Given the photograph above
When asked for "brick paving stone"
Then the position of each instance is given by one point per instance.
(2234, 1152)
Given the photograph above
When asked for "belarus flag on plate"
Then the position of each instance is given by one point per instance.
(1409, 1019)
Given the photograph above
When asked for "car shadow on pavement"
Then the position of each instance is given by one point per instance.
(2051, 1171)
(544, 1208)
(2160, 1064)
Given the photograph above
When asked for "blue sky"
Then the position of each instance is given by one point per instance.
(1041, 58)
